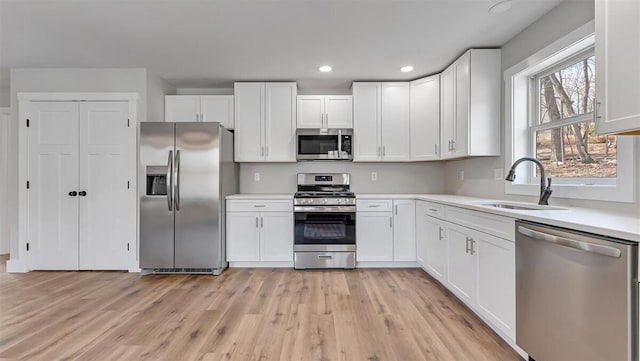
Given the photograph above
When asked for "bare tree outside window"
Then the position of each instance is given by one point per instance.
(564, 133)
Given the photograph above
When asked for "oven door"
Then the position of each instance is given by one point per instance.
(325, 231)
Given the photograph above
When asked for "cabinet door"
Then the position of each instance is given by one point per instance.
(462, 96)
(460, 263)
(447, 112)
(276, 236)
(338, 111)
(107, 165)
(310, 111)
(425, 118)
(218, 108)
(366, 122)
(249, 122)
(436, 245)
(375, 236)
(404, 230)
(395, 135)
(496, 280)
(52, 214)
(182, 108)
(421, 234)
(243, 236)
(618, 66)
(280, 128)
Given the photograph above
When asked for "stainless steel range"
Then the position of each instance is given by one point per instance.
(325, 222)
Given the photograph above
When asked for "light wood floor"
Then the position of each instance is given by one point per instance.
(244, 314)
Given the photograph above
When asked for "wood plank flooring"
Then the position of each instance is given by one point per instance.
(244, 314)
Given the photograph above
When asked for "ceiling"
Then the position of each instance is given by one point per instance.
(212, 43)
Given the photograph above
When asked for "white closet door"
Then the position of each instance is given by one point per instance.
(52, 215)
(107, 218)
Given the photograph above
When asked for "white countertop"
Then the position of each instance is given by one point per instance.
(582, 219)
(261, 196)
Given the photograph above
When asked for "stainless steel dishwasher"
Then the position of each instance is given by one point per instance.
(576, 295)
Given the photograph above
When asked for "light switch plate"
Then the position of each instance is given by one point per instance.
(498, 174)
(461, 175)
(256, 177)
(374, 176)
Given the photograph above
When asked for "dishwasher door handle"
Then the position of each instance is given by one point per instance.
(571, 243)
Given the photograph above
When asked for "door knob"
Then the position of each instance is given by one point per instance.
(82, 193)
(73, 194)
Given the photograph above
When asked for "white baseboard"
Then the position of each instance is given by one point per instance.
(260, 264)
(16, 266)
(377, 264)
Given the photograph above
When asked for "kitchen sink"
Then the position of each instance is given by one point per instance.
(520, 207)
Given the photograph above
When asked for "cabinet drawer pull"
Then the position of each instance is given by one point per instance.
(259, 205)
(433, 209)
(323, 256)
(374, 205)
(256, 222)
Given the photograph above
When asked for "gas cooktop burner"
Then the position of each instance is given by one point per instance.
(310, 194)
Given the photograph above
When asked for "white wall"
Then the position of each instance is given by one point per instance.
(479, 173)
(392, 177)
(63, 80)
(157, 88)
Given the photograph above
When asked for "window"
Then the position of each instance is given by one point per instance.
(563, 130)
(550, 107)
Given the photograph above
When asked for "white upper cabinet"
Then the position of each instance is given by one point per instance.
(470, 105)
(181, 108)
(425, 118)
(217, 108)
(366, 121)
(618, 66)
(338, 111)
(265, 122)
(196, 108)
(381, 122)
(325, 112)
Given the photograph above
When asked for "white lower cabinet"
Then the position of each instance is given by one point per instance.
(495, 277)
(461, 263)
(374, 232)
(435, 258)
(265, 236)
(385, 230)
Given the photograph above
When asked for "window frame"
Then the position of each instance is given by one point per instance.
(521, 116)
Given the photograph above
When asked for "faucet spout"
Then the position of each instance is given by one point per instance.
(545, 183)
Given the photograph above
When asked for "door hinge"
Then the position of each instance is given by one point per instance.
(127, 247)
(28, 184)
(27, 246)
(27, 123)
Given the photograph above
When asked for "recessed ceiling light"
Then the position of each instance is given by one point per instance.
(406, 69)
(325, 68)
(501, 7)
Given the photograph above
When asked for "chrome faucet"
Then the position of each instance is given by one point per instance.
(545, 183)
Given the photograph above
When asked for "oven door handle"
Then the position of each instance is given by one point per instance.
(325, 209)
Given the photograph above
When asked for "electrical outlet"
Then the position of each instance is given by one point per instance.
(256, 177)
(461, 175)
(374, 176)
(498, 174)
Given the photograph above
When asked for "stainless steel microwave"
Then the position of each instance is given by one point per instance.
(325, 144)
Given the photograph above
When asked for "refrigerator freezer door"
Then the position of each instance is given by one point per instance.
(197, 196)
(156, 213)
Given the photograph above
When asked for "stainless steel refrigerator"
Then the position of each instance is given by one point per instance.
(187, 170)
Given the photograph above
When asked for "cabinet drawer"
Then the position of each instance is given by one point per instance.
(499, 226)
(260, 206)
(374, 205)
(434, 209)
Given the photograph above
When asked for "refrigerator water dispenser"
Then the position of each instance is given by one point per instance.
(157, 180)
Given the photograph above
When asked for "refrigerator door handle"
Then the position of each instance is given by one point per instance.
(169, 181)
(177, 181)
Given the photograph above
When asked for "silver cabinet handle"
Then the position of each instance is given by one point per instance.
(169, 181)
(374, 205)
(177, 187)
(262, 151)
(433, 209)
(261, 222)
(326, 119)
(571, 243)
(322, 120)
(466, 245)
(378, 152)
(256, 222)
(453, 145)
(259, 205)
(440, 233)
(390, 222)
(384, 150)
(596, 110)
(324, 256)
(436, 148)
(472, 245)
(266, 152)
